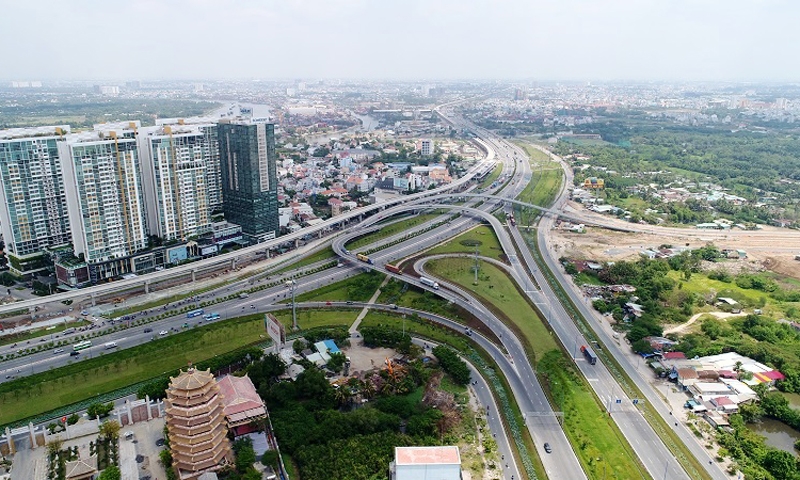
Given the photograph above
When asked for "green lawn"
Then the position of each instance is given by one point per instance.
(392, 229)
(324, 254)
(495, 288)
(358, 289)
(308, 318)
(483, 236)
(108, 372)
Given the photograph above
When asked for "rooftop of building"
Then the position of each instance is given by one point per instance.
(239, 396)
(191, 379)
(445, 455)
(31, 132)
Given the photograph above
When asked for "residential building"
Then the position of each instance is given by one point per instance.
(426, 463)
(249, 183)
(210, 143)
(196, 424)
(105, 199)
(33, 205)
(175, 160)
(427, 147)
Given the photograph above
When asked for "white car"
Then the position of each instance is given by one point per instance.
(58, 350)
(163, 332)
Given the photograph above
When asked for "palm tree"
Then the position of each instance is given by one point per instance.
(368, 390)
(110, 430)
(54, 446)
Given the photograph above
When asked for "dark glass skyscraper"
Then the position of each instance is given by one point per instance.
(249, 181)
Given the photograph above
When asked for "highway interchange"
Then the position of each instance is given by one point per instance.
(656, 457)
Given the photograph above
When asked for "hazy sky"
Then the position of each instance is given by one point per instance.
(405, 39)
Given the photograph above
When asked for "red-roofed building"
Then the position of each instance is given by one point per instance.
(241, 403)
(724, 404)
(674, 356)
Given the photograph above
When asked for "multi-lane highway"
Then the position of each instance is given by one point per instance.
(651, 451)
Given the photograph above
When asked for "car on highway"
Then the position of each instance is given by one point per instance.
(74, 353)
(57, 351)
(547, 448)
(148, 330)
(163, 332)
(349, 302)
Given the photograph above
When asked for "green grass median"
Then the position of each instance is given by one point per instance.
(590, 432)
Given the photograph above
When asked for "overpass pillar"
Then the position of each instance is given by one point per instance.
(194, 275)
(233, 264)
(94, 300)
(297, 243)
(319, 234)
(147, 286)
(149, 407)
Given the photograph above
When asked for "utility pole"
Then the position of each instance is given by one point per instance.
(294, 308)
(476, 265)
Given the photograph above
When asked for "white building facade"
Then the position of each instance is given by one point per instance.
(105, 198)
(33, 206)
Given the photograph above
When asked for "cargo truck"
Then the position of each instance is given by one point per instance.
(427, 281)
(589, 355)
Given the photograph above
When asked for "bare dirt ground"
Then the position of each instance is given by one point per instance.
(364, 358)
(684, 326)
(770, 248)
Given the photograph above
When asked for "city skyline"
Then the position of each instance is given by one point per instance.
(573, 40)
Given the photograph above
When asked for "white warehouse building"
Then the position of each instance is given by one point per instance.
(426, 463)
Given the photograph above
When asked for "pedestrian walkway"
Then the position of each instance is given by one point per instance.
(354, 326)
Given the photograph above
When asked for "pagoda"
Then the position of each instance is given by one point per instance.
(196, 424)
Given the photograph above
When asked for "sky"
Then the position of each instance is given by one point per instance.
(579, 40)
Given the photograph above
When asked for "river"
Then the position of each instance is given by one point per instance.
(368, 123)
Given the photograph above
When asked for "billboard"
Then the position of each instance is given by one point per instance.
(275, 329)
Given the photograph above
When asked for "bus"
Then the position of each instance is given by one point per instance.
(82, 345)
(195, 313)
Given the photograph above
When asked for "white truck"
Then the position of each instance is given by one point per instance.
(110, 345)
(429, 282)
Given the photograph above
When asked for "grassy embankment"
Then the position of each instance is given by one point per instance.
(324, 254)
(107, 372)
(482, 236)
(358, 289)
(591, 432)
